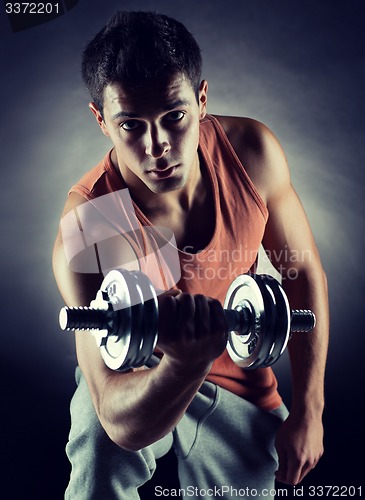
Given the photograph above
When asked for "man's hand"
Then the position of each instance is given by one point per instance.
(299, 443)
(192, 330)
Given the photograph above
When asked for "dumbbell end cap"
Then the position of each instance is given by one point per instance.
(63, 318)
(302, 320)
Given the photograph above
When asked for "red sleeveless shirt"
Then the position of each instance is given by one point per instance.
(240, 219)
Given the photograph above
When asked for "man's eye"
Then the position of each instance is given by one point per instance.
(174, 116)
(130, 125)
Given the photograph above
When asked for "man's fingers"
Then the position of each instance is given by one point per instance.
(173, 292)
(293, 471)
(307, 467)
(202, 316)
(167, 317)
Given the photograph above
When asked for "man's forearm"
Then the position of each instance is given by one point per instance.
(147, 404)
(140, 407)
(308, 351)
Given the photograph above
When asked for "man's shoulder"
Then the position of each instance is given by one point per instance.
(245, 134)
(257, 148)
(242, 122)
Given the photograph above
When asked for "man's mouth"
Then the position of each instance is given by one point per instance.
(162, 174)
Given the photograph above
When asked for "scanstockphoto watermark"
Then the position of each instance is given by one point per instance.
(288, 255)
(227, 264)
(223, 491)
(287, 261)
(238, 255)
(230, 272)
(105, 234)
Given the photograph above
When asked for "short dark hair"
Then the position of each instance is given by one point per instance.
(134, 48)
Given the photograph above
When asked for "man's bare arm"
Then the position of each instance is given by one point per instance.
(300, 440)
(137, 408)
(289, 243)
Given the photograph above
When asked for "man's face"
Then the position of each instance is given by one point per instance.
(155, 132)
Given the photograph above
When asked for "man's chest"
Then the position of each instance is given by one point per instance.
(193, 230)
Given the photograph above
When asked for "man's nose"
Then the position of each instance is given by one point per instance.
(157, 144)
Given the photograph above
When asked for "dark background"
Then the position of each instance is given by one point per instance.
(296, 66)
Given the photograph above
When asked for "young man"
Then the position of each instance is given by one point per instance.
(220, 184)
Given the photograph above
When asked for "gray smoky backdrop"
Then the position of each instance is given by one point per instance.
(297, 66)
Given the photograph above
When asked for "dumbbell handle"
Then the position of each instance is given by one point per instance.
(239, 320)
(302, 320)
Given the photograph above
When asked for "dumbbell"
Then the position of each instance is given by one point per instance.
(124, 320)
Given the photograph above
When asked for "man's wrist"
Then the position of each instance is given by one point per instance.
(307, 407)
(186, 370)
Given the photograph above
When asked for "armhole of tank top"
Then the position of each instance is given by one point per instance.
(106, 170)
(81, 190)
(250, 185)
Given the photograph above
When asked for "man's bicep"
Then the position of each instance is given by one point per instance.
(288, 240)
(77, 289)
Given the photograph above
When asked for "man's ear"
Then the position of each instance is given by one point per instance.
(203, 98)
(99, 118)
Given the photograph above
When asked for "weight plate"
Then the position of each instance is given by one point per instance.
(116, 346)
(253, 349)
(282, 320)
(149, 327)
(270, 324)
(244, 349)
(135, 307)
(137, 310)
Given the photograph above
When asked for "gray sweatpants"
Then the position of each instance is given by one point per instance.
(224, 445)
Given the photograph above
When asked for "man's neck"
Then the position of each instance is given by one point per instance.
(158, 203)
